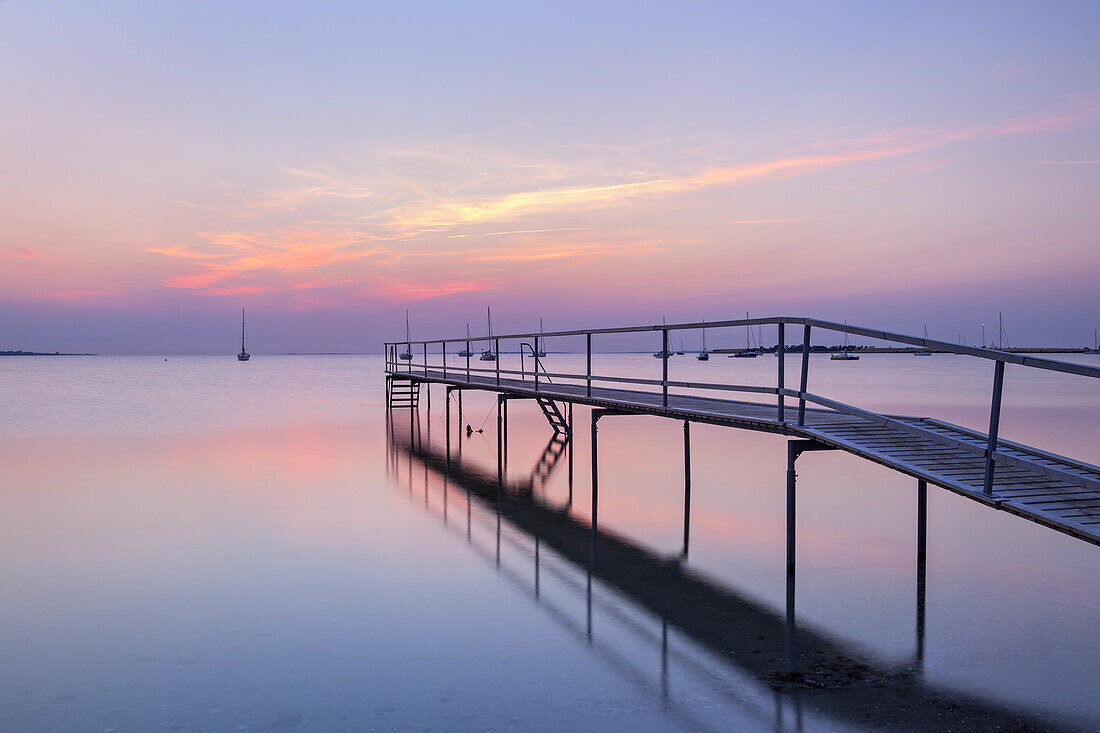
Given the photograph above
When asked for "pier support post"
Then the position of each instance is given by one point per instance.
(792, 455)
(922, 544)
(447, 410)
(595, 483)
(994, 424)
(572, 435)
(795, 448)
(500, 450)
(504, 404)
(687, 485)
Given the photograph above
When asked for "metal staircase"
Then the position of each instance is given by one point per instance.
(554, 415)
(403, 393)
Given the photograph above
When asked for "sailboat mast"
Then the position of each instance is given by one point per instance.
(242, 330)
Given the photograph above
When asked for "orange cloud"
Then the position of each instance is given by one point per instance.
(230, 256)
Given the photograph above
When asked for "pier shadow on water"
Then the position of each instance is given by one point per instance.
(806, 671)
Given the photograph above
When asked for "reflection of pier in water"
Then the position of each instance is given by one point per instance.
(804, 668)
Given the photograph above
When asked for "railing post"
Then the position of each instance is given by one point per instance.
(805, 375)
(496, 345)
(536, 358)
(664, 367)
(994, 424)
(781, 353)
(467, 356)
(588, 367)
(425, 358)
(444, 359)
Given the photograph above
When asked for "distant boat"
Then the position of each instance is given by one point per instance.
(703, 355)
(407, 355)
(681, 351)
(244, 355)
(749, 352)
(541, 351)
(487, 354)
(1095, 344)
(846, 354)
(923, 352)
(466, 351)
(665, 352)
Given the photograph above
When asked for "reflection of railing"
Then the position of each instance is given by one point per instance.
(834, 677)
(990, 450)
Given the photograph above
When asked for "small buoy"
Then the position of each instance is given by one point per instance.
(469, 431)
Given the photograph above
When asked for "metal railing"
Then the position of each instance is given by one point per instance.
(396, 365)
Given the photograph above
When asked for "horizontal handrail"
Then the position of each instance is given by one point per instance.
(878, 334)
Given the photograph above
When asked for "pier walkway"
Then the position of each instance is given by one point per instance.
(1055, 491)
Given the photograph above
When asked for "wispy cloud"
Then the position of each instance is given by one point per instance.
(1067, 162)
(70, 294)
(25, 253)
(229, 256)
(772, 221)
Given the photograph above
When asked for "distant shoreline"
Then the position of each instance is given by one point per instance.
(40, 353)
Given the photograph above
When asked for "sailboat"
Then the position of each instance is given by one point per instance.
(466, 351)
(923, 352)
(681, 351)
(1095, 344)
(542, 351)
(703, 355)
(407, 354)
(244, 355)
(750, 352)
(664, 353)
(846, 354)
(487, 354)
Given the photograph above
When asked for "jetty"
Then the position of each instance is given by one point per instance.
(1055, 491)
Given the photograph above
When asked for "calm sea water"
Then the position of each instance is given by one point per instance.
(198, 544)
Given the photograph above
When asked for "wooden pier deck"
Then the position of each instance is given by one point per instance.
(1055, 491)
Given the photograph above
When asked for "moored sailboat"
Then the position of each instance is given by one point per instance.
(488, 354)
(846, 353)
(407, 354)
(244, 355)
(466, 351)
(751, 351)
(703, 355)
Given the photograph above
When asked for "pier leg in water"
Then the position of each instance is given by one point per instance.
(795, 448)
(569, 504)
(595, 485)
(448, 418)
(500, 450)
(922, 538)
(687, 485)
(792, 455)
(789, 640)
(505, 406)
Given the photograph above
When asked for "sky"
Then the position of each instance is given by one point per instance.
(328, 165)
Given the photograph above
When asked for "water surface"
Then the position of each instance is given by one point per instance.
(201, 544)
